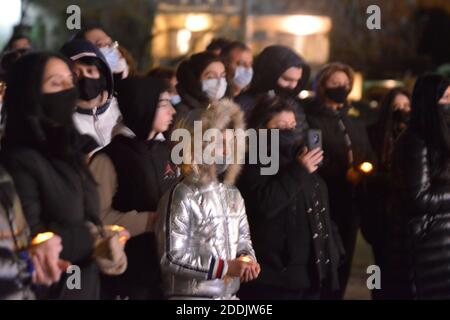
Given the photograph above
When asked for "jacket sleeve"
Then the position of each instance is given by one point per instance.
(13, 272)
(245, 246)
(77, 240)
(426, 195)
(270, 194)
(178, 256)
(105, 175)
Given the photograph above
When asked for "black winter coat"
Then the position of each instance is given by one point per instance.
(288, 216)
(56, 197)
(419, 227)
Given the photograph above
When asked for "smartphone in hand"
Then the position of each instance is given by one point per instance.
(314, 140)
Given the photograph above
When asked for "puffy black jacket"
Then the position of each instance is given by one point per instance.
(420, 223)
(56, 197)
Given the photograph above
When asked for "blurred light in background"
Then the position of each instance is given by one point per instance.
(391, 84)
(303, 25)
(357, 91)
(198, 22)
(183, 41)
(10, 13)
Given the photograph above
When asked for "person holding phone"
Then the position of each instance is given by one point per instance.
(346, 147)
(288, 213)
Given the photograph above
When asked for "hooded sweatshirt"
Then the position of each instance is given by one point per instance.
(269, 66)
(98, 122)
(133, 173)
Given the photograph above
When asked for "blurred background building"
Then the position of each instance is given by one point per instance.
(412, 38)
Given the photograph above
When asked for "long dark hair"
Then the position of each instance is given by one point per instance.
(26, 124)
(427, 121)
(385, 131)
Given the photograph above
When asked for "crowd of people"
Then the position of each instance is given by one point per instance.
(87, 178)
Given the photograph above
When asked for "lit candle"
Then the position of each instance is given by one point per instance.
(42, 237)
(118, 229)
(115, 228)
(366, 167)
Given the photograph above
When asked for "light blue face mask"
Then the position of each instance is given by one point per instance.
(176, 99)
(115, 61)
(243, 76)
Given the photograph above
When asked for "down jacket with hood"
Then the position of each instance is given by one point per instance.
(100, 121)
(269, 66)
(202, 222)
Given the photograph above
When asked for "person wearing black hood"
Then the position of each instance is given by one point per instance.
(280, 71)
(97, 111)
(18, 46)
(419, 229)
(346, 147)
(133, 172)
(41, 151)
(393, 120)
(288, 213)
(201, 80)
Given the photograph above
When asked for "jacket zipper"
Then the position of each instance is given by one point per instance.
(97, 130)
(226, 228)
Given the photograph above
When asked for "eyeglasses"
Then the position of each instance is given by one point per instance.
(114, 45)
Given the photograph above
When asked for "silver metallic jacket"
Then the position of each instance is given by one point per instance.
(201, 224)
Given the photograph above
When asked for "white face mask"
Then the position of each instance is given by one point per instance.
(214, 88)
(243, 76)
(115, 60)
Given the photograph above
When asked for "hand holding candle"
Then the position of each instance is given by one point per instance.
(44, 253)
(123, 233)
(252, 271)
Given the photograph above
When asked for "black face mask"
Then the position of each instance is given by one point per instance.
(401, 117)
(285, 92)
(338, 95)
(91, 88)
(290, 143)
(59, 107)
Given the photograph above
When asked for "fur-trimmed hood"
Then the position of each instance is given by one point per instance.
(221, 115)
